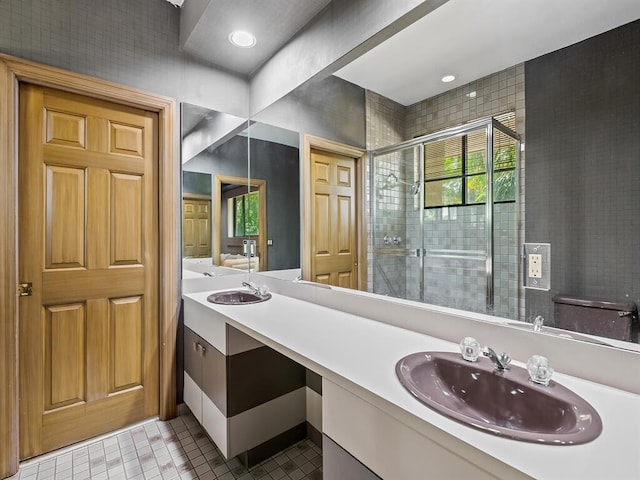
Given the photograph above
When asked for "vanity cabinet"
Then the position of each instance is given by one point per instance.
(204, 385)
(193, 373)
(249, 398)
(360, 438)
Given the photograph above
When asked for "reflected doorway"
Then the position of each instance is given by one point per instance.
(196, 226)
(240, 207)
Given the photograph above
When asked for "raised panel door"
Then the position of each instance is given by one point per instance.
(196, 228)
(334, 242)
(88, 229)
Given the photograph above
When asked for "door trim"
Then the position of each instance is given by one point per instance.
(261, 186)
(12, 71)
(310, 142)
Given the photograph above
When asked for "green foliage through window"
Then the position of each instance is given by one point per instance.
(455, 169)
(245, 214)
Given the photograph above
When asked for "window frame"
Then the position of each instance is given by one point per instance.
(464, 176)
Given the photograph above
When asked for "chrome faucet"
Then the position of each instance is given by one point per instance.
(537, 323)
(261, 290)
(500, 362)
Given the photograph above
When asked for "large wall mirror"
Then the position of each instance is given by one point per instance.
(240, 192)
(581, 177)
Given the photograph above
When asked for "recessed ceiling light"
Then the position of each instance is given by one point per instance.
(242, 39)
(472, 94)
(448, 78)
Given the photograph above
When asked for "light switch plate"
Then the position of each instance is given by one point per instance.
(536, 265)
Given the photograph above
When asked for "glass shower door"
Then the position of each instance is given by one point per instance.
(445, 218)
(454, 218)
(397, 233)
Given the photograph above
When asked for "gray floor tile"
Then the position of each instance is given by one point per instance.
(175, 450)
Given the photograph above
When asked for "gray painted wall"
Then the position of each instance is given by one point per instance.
(330, 108)
(279, 165)
(194, 182)
(583, 167)
(135, 43)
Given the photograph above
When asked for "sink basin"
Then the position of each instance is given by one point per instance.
(237, 297)
(506, 403)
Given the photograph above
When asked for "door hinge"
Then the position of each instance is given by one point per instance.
(25, 289)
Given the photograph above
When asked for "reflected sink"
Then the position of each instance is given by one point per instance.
(237, 297)
(506, 403)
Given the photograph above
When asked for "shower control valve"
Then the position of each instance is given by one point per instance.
(397, 240)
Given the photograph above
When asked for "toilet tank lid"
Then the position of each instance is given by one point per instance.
(592, 302)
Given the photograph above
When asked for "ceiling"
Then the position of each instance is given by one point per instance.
(474, 38)
(467, 38)
(273, 23)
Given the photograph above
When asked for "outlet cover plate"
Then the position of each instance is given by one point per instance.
(536, 266)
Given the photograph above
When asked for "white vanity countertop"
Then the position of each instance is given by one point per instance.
(339, 345)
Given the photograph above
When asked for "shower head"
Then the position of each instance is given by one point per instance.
(414, 187)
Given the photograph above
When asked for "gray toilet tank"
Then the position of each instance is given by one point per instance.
(606, 318)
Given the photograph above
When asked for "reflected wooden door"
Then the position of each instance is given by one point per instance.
(334, 240)
(88, 234)
(196, 227)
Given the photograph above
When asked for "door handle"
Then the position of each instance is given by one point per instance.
(25, 289)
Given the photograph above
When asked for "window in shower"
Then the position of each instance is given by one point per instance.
(455, 169)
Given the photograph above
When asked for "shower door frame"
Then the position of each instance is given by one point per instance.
(488, 124)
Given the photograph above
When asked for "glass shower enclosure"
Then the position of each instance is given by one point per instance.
(445, 218)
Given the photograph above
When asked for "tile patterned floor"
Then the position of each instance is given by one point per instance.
(177, 449)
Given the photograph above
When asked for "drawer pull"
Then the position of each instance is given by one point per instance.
(198, 347)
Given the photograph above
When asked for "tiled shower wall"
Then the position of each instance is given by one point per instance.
(454, 281)
(385, 126)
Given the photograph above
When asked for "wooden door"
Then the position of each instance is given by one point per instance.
(196, 227)
(334, 243)
(88, 229)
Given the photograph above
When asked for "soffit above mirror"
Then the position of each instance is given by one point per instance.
(471, 40)
(205, 26)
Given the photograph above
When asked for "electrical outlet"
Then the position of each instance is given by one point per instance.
(535, 265)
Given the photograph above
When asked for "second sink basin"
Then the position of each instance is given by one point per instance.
(502, 403)
(237, 297)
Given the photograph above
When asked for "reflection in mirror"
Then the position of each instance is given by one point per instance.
(581, 176)
(274, 155)
(196, 215)
(211, 147)
(574, 204)
(230, 218)
(444, 218)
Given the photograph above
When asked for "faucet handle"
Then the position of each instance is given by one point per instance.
(540, 369)
(505, 360)
(470, 349)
